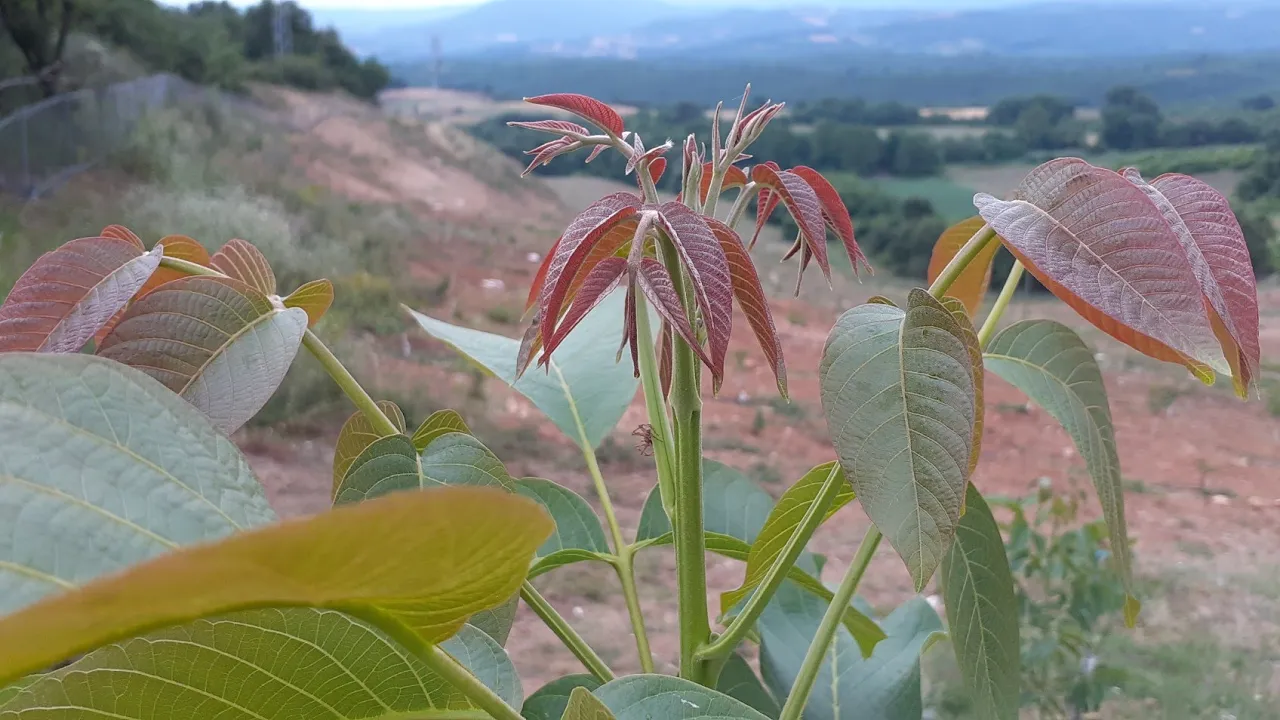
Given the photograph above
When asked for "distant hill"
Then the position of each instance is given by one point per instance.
(653, 29)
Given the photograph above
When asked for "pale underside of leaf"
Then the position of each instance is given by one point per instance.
(101, 467)
(982, 612)
(1050, 364)
(215, 341)
(648, 697)
(899, 397)
(68, 294)
(1102, 246)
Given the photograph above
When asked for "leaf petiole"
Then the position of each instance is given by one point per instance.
(1002, 303)
(967, 253)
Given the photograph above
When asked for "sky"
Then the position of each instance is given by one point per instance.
(880, 4)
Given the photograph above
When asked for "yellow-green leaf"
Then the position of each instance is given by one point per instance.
(585, 706)
(439, 423)
(357, 433)
(314, 297)
(428, 560)
(971, 285)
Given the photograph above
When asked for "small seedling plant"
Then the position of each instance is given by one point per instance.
(139, 547)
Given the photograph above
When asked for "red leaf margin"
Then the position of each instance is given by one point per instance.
(805, 206)
(835, 213)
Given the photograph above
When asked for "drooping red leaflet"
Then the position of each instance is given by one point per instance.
(598, 113)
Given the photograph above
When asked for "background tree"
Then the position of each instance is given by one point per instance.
(1130, 120)
(39, 29)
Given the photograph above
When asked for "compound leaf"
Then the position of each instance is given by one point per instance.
(69, 294)
(982, 612)
(585, 390)
(219, 343)
(1104, 248)
(428, 560)
(898, 391)
(1052, 365)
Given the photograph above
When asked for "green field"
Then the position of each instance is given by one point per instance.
(952, 200)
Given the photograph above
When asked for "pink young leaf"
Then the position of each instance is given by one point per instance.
(750, 295)
(595, 152)
(629, 330)
(561, 127)
(547, 152)
(121, 232)
(535, 288)
(70, 293)
(708, 269)
(598, 113)
(1104, 248)
(595, 287)
(835, 213)
(804, 205)
(574, 247)
(656, 283)
(1215, 246)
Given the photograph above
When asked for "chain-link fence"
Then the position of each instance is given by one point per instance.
(44, 144)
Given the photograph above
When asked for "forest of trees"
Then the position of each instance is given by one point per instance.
(211, 43)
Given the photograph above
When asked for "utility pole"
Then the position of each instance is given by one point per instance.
(281, 28)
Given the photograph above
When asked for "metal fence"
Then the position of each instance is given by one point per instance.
(44, 144)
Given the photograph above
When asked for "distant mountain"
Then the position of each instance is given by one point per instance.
(652, 29)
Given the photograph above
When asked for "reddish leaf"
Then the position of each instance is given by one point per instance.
(595, 287)
(244, 262)
(804, 205)
(629, 329)
(314, 297)
(1215, 246)
(751, 298)
(644, 156)
(656, 283)
(595, 152)
(756, 121)
(538, 277)
(574, 247)
(664, 358)
(971, 286)
(835, 213)
(657, 168)
(1100, 244)
(734, 177)
(178, 247)
(708, 269)
(121, 232)
(547, 152)
(589, 108)
(766, 202)
(563, 127)
(68, 294)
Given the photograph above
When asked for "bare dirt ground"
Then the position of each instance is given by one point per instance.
(1201, 466)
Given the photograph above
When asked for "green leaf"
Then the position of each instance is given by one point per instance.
(487, 661)
(101, 467)
(739, 681)
(439, 423)
(549, 701)
(427, 560)
(577, 527)
(898, 392)
(648, 697)
(357, 433)
(220, 344)
(496, 623)
(584, 391)
(392, 463)
(1052, 365)
(731, 504)
(885, 686)
(781, 523)
(585, 706)
(273, 663)
(560, 558)
(982, 612)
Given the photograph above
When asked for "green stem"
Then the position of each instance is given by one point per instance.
(350, 386)
(567, 634)
(625, 567)
(439, 662)
(746, 619)
(1002, 304)
(962, 259)
(827, 628)
(739, 207)
(656, 405)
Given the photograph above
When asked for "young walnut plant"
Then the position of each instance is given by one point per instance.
(146, 555)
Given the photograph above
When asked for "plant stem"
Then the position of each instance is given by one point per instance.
(438, 661)
(746, 619)
(350, 386)
(691, 567)
(656, 405)
(627, 575)
(827, 628)
(962, 259)
(1002, 304)
(739, 206)
(567, 635)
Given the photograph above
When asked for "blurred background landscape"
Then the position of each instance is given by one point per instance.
(369, 145)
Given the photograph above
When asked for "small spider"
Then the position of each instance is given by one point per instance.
(645, 433)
